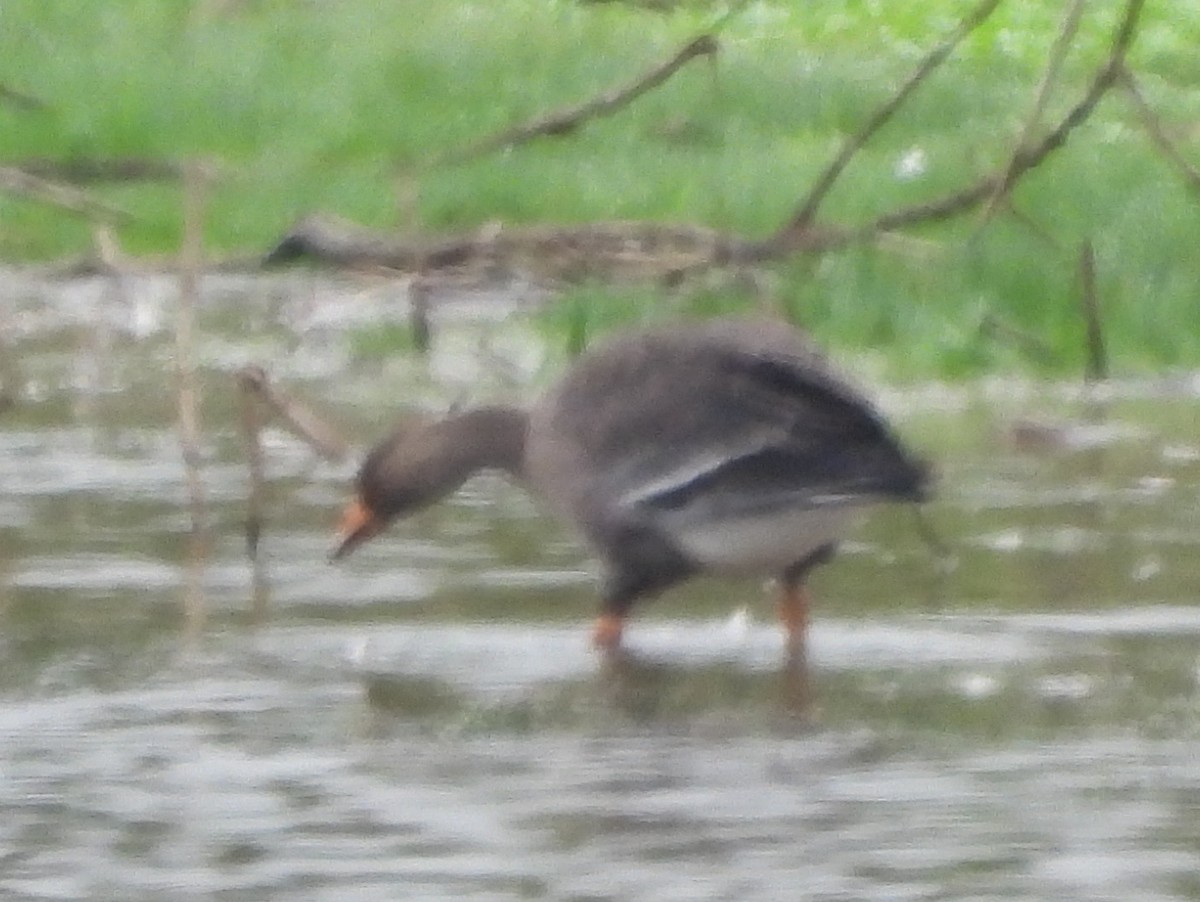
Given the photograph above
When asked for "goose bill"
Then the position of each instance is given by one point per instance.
(358, 524)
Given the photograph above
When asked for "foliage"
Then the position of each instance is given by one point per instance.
(339, 106)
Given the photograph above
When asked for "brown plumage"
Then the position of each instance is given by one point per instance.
(729, 446)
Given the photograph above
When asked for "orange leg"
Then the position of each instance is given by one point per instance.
(606, 634)
(793, 614)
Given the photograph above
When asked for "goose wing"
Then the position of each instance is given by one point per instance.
(752, 432)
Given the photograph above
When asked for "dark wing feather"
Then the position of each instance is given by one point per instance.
(776, 431)
(726, 417)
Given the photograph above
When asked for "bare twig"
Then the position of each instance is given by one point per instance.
(252, 421)
(1039, 230)
(298, 419)
(1097, 357)
(258, 398)
(64, 197)
(418, 314)
(1058, 52)
(1154, 128)
(807, 209)
(252, 424)
(998, 329)
(1108, 73)
(565, 121)
(1023, 160)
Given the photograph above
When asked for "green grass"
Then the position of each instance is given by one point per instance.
(322, 106)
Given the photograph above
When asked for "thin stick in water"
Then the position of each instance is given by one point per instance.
(252, 423)
(1097, 356)
(191, 261)
(252, 420)
(297, 418)
(418, 314)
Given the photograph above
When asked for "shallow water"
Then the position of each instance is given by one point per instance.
(426, 720)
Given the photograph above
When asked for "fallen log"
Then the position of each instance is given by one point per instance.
(615, 251)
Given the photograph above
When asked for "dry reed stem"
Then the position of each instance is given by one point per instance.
(191, 263)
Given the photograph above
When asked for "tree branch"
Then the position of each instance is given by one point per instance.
(807, 209)
(1028, 158)
(565, 121)
(64, 197)
(1154, 128)
(1058, 52)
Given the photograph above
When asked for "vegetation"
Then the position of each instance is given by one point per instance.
(346, 107)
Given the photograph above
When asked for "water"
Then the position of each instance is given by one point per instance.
(426, 721)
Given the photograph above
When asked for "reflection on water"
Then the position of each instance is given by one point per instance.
(428, 722)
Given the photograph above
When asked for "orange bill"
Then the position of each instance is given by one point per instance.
(358, 524)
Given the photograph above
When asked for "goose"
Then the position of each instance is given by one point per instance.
(730, 446)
